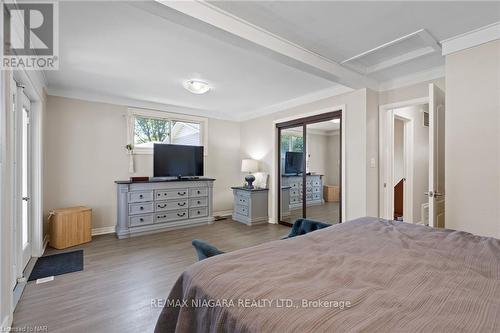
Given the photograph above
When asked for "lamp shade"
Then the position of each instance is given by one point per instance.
(248, 165)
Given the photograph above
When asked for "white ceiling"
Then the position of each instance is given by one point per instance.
(339, 30)
(140, 53)
(122, 51)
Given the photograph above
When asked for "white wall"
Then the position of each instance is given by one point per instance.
(399, 160)
(333, 160)
(473, 140)
(84, 145)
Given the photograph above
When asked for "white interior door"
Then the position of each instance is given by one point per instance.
(436, 156)
(22, 226)
(26, 182)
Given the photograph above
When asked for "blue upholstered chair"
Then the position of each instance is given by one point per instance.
(300, 227)
(205, 250)
(304, 226)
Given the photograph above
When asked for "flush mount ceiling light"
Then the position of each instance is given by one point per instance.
(336, 121)
(196, 86)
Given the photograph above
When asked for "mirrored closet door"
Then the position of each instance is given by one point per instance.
(310, 169)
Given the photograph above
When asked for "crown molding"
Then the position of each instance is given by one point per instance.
(472, 38)
(294, 102)
(408, 80)
(136, 103)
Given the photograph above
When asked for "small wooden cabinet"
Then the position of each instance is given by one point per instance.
(250, 205)
(70, 227)
(331, 193)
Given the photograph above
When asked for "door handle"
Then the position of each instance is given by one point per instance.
(25, 198)
(429, 194)
(438, 194)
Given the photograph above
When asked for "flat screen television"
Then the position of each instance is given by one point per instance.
(177, 160)
(294, 162)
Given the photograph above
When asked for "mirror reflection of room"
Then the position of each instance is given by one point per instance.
(321, 151)
(292, 153)
(323, 171)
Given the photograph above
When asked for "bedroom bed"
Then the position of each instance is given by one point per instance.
(364, 275)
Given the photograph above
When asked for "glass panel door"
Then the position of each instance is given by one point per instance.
(292, 163)
(323, 179)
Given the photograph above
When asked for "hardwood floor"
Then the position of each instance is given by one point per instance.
(120, 278)
(327, 212)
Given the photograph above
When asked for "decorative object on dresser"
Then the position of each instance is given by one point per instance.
(314, 187)
(165, 204)
(248, 165)
(250, 205)
(70, 226)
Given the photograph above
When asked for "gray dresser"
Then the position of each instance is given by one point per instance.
(250, 205)
(154, 206)
(314, 190)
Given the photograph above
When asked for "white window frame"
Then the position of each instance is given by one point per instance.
(167, 116)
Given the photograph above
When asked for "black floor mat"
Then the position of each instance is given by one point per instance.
(57, 264)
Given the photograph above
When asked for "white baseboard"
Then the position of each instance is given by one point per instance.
(6, 323)
(103, 231)
(45, 243)
(224, 213)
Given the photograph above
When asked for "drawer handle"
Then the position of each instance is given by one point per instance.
(159, 194)
(162, 217)
(181, 215)
(198, 192)
(141, 219)
(141, 196)
(160, 206)
(181, 204)
(181, 193)
(199, 212)
(141, 208)
(199, 202)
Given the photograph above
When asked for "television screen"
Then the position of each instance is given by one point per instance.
(177, 160)
(294, 162)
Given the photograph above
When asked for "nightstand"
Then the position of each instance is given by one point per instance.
(250, 205)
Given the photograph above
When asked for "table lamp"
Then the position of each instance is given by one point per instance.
(248, 165)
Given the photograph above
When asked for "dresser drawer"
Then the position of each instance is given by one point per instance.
(138, 220)
(295, 185)
(295, 200)
(316, 190)
(198, 202)
(171, 216)
(295, 192)
(161, 206)
(242, 200)
(140, 208)
(198, 192)
(140, 196)
(316, 182)
(316, 196)
(242, 210)
(171, 194)
(198, 212)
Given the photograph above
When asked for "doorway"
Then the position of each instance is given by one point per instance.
(411, 147)
(309, 169)
(23, 180)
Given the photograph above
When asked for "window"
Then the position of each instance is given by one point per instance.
(147, 127)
